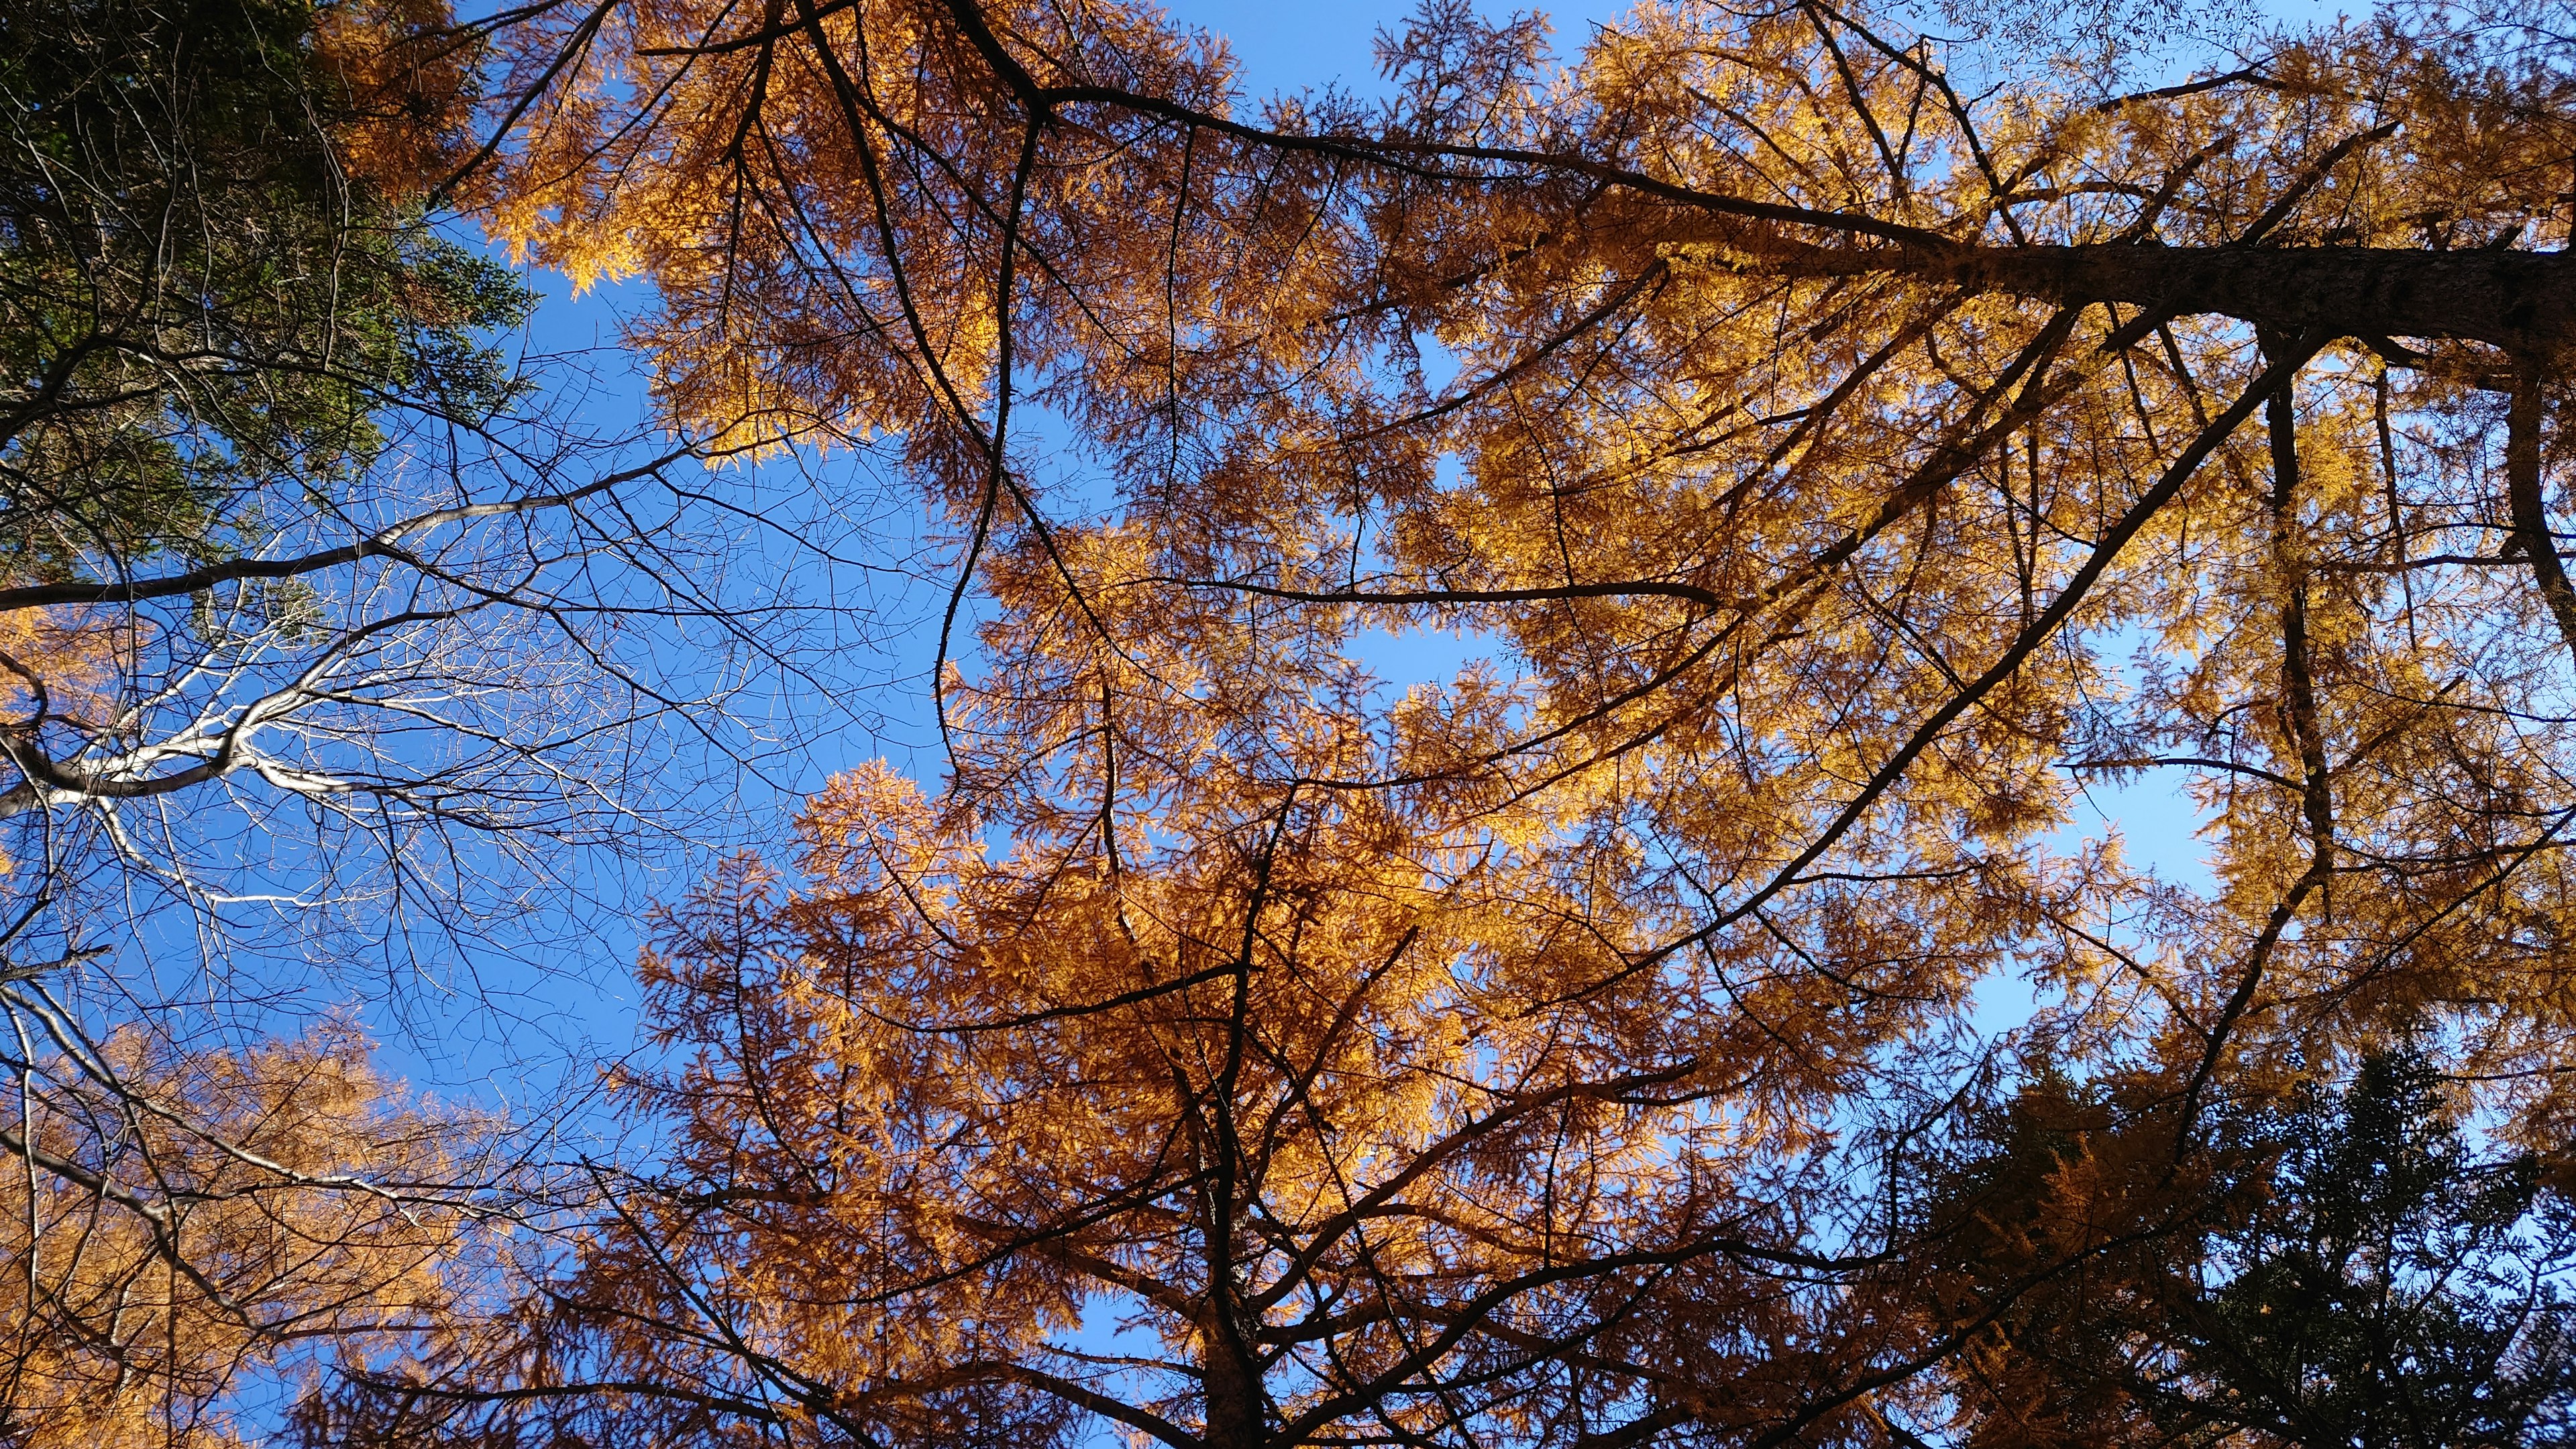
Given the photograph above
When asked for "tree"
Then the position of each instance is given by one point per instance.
(1821, 443)
(1841, 473)
(2360, 1278)
(219, 1214)
(266, 449)
(317, 603)
(231, 148)
(1288, 1119)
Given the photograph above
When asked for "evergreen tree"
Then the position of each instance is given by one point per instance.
(218, 284)
(2345, 1271)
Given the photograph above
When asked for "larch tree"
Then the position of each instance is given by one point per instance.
(1840, 471)
(174, 1241)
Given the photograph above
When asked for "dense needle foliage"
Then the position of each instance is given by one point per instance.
(1842, 473)
(217, 276)
(2355, 1275)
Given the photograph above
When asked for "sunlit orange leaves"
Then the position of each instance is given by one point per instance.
(220, 1214)
(1834, 483)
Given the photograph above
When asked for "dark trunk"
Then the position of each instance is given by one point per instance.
(2530, 508)
(1236, 1411)
(2521, 301)
(2524, 302)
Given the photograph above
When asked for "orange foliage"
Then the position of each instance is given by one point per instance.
(68, 654)
(226, 1211)
(1837, 485)
(405, 90)
(1841, 478)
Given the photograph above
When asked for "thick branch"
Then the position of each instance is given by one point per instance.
(2531, 536)
(383, 544)
(2520, 300)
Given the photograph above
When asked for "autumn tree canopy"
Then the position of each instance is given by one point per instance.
(174, 1228)
(1841, 451)
(1839, 468)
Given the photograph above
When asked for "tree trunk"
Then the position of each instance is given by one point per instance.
(1236, 1412)
(2522, 301)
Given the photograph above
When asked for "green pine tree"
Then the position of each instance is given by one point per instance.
(211, 318)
